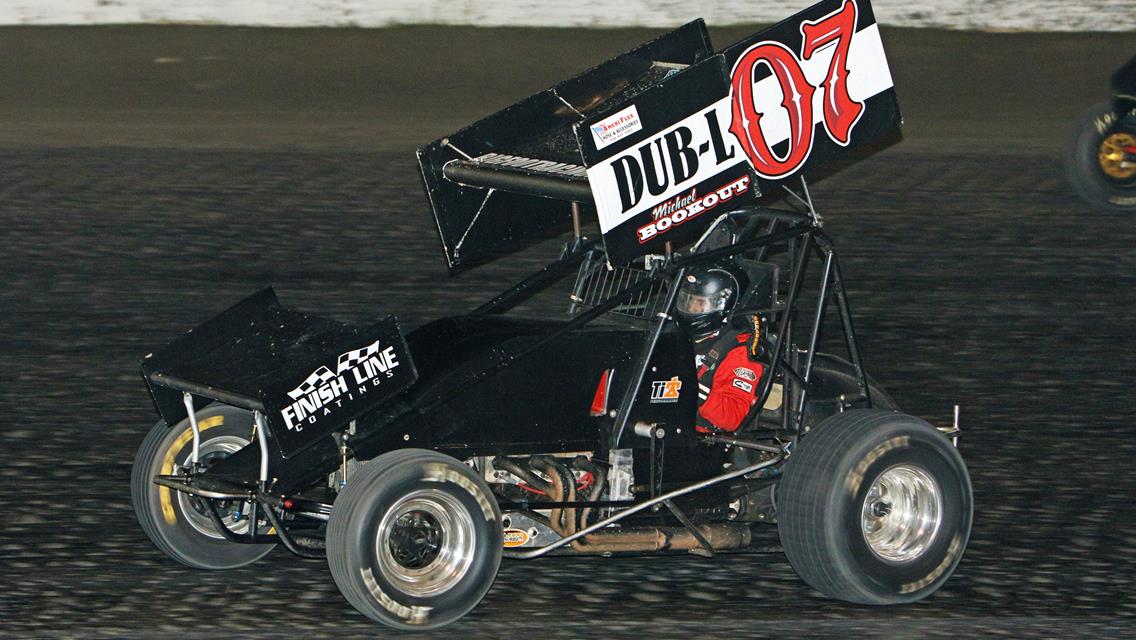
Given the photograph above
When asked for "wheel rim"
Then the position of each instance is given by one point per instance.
(901, 514)
(1117, 156)
(195, 509)
(425, 543)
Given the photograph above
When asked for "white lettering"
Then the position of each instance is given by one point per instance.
(679, 216)
(412, 614)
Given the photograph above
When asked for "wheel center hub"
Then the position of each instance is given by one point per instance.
(425, 542)
(1115, 156)
(196, 509)
(416, 539)
(901, 513)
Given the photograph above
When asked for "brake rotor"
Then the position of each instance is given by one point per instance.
(1117, 156)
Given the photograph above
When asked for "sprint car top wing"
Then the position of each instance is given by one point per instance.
(658, 142)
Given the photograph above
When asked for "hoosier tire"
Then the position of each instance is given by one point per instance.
(414, 539)
(175, 522)
(874, 507)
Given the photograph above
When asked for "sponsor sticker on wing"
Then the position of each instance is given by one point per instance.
(617, 127)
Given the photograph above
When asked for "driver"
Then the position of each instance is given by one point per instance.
(728, 370)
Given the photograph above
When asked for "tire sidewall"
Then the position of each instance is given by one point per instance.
(436, 473)
(876, 578)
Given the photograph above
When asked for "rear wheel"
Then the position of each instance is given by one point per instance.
(1100, 160)
(178, 523)
(874, 507)
(414, 540)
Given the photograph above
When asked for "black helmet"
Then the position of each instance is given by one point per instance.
(705, 298)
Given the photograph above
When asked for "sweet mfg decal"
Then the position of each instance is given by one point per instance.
(356, 373)
(514, 538)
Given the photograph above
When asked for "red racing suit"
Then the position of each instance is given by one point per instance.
(726, 392)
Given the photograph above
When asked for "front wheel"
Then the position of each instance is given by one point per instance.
(414, 540)
(180, 524)
(1100, 160)
(874, 507)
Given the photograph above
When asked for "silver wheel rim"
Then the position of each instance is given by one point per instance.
(194, 509)
(901, 513)
(425, 543)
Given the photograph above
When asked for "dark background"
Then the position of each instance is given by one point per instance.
(152, 176)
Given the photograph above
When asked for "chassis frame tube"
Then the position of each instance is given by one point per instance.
(205, 391)
(849, 329)
(255, 497)
(822, 303)
(736, 473)
(786, 326)
(262, 442)
(191, 413)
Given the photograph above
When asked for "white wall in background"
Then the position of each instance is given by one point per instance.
(1033, 15)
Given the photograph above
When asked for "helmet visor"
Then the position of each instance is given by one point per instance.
(692, 304)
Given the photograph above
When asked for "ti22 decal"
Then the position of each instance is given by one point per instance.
(840, 111)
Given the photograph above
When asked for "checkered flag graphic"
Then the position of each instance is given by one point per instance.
(358, 356)
(318, 378)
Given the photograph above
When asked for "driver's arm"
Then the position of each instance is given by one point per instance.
(733, 392)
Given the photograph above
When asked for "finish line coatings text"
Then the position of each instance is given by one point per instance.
(365, 375)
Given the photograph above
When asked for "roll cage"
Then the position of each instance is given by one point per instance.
(644, 291)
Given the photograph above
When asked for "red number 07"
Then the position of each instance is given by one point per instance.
(840, 111)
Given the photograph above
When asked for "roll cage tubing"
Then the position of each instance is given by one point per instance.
(806, 240)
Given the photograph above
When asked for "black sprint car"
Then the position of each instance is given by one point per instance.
(415, 463)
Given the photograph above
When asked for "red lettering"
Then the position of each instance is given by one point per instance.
(840, 111)
(797, 101)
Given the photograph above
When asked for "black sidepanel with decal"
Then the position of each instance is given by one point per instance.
(308, 375)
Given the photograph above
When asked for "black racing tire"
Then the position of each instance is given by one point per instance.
(175, 522)
(835, 524)
(414, 539)
(1083, 167)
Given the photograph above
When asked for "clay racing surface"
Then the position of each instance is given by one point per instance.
(138, 198)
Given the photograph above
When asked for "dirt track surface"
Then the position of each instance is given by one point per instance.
(977, 278)
(395, 89)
